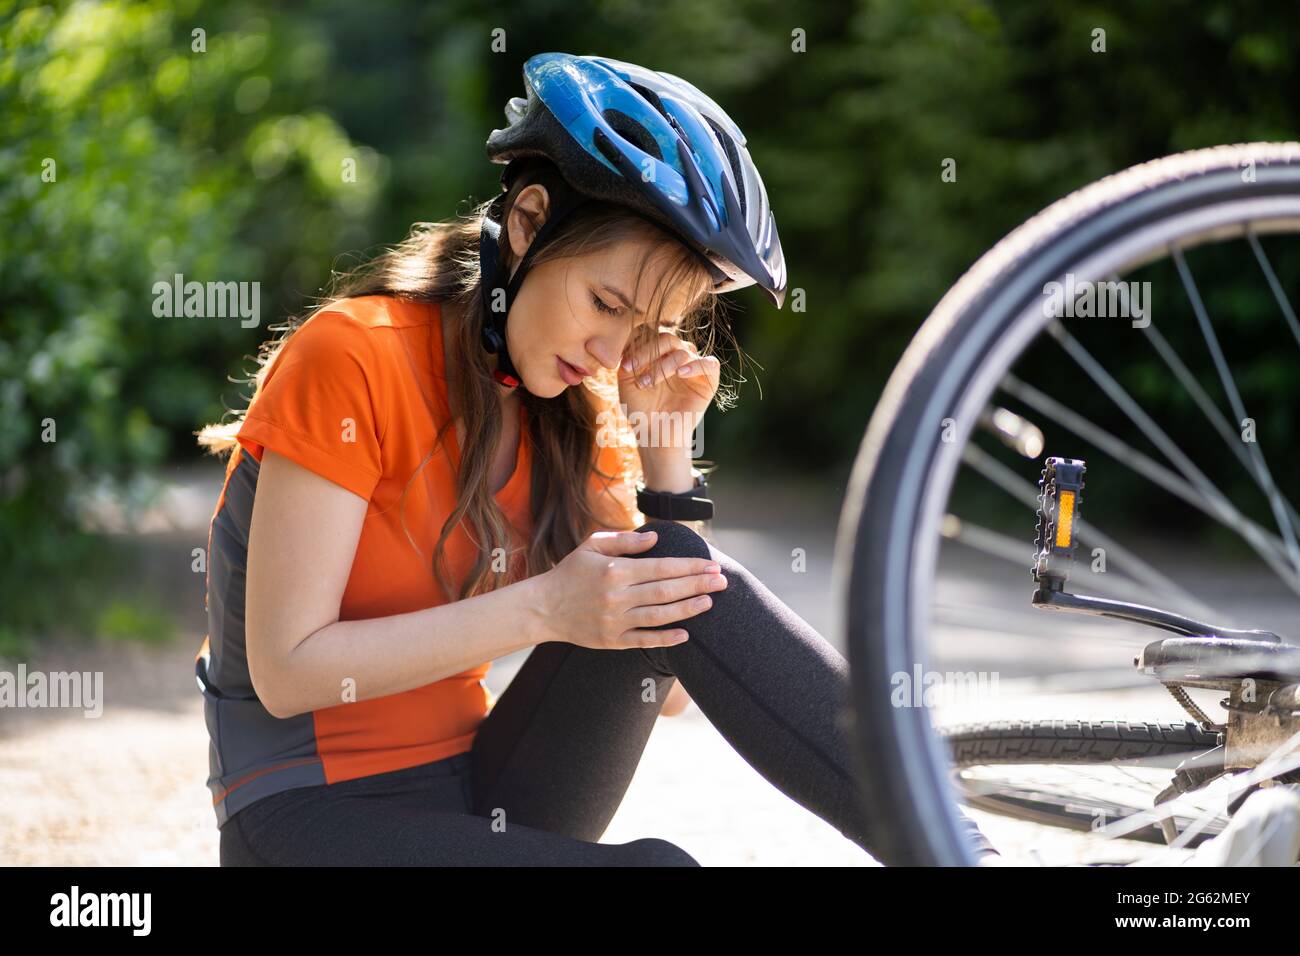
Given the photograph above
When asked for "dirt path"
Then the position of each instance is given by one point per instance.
(122, 788)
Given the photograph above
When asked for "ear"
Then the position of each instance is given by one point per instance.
(527, 215)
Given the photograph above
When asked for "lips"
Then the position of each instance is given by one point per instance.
(572, 374)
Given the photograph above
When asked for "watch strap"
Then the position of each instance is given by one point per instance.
(693, 505)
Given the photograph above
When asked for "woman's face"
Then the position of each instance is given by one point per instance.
(575, 315)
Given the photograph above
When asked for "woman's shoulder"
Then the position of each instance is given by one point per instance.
(347, 339)
(381, 311)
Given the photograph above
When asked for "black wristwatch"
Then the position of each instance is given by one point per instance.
(693, 505)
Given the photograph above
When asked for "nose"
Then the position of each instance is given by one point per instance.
(606, 351)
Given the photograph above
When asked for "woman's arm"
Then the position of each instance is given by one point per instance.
(301, 657)
(669, 469)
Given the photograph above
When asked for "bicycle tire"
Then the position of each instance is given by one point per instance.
(1003, 743)
(1072, 741)
(986, 318)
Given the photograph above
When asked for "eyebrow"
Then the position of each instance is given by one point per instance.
(618, 293)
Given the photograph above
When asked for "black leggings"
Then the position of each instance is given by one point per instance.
(554, 756)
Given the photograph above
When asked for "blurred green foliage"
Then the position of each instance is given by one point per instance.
(128, 157)
(136, 621)
(130, 151)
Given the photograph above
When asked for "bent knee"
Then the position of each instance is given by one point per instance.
(651, 851)
(674, 540)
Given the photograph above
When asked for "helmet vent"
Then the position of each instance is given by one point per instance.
(652, 96)
(733, 157)
(633, 132)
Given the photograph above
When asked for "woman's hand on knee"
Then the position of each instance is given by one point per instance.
(599, 597)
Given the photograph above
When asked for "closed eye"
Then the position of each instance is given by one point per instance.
(599, 303)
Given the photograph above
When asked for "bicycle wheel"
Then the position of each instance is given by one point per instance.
(897, 515)
(983, 753)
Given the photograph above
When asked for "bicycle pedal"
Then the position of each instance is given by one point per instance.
(1059, 500)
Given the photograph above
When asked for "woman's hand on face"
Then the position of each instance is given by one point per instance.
(595, 597)
(677, 378)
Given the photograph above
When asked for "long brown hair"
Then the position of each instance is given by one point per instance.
(438, 262)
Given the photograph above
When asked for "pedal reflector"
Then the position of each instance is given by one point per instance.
(1064, 518)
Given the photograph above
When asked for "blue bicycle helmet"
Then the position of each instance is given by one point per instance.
(613, 131)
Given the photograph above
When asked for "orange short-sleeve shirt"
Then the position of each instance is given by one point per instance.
(357, 394)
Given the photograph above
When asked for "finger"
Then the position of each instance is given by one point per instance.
(708, 366)
(642, 357)
(663, 369)
(640, 637)
(641, 352)
(673, 340)
(658, 569)
(657, 614)
(614, 543)
(674, 589)
(674, 360)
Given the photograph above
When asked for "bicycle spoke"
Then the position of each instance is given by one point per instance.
(990, 542)
(1203, 401)
(999, 545)
(1133, 411)
(1278, 293)
(1283, 760)
(1265, 544)
(1127, 772)
(1019, 434)
(1024, 491)
(1262, 474)
(1261, 841)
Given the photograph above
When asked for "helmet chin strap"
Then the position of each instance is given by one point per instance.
(498, 294)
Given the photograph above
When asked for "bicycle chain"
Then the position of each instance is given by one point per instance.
(1189, 705)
